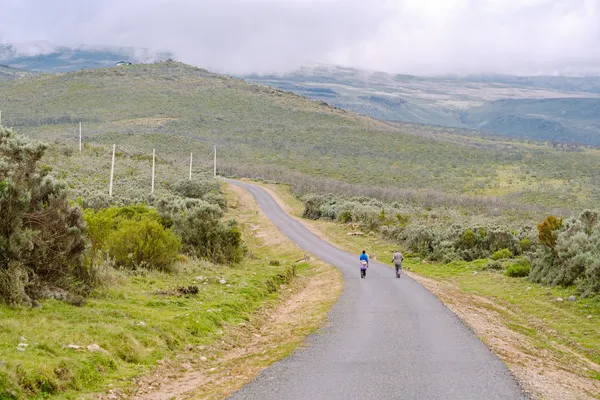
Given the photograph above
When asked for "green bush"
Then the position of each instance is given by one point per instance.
(134, 236)
(525, 244)
(519, 269)
(42, 237)
(502, 254)
(215, 198)
(345, 217)
(205, 236)
(494, 265)
(143, 243)
(196, 188)
(570, 253)
(468, 240)
(312, 206)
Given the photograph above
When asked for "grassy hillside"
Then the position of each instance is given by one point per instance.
(524, 107)
(7, 72)
(561, 120)
(179, 109)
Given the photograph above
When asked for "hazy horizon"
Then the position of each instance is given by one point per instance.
(416, 37)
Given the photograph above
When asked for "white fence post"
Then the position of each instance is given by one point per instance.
(112, 171)
(153, 157)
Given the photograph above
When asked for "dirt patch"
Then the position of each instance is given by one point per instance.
(543, 373)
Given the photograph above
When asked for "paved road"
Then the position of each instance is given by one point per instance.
(387, 338)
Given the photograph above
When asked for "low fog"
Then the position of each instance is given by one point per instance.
(423, 37)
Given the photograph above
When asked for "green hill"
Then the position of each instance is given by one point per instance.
(179, 109)
(523, 107)
(560, 120)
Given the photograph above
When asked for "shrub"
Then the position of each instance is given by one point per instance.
(196, 188)
(494, 265)
(498, 238)
(345, 217)
(41, 235)
(215, 198)
(502, 254)
(570, 253)
(403, 220)
(104, 222)
(312, 206)
(519, 269)
(143, 243)
(205, 236)
(589, 220)
(547, 231)
(134, 236)
(468, 240)
(525, 244)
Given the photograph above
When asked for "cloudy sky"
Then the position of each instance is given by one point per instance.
(404, 36)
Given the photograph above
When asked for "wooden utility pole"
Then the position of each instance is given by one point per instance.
(215, 163)
(80, 137)
(191, 158)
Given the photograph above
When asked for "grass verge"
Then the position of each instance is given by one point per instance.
(552, 345)
(140, 321)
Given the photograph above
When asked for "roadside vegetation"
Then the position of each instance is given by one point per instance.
(96, 290)
(546, 332)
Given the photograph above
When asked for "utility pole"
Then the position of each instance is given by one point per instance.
(112, 171)
(215, 163)
(191, 158)
(80, 136)
(153, 156)
(0, 117)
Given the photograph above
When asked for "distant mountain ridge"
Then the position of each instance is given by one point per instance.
(45, 57)
(551, 108)
(7, 72)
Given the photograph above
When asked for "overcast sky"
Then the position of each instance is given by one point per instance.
(405, 36)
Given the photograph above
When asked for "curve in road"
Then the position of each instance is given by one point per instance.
(387, 338)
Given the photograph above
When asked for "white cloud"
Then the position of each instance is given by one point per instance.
(406, 36)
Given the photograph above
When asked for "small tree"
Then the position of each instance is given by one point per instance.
(548, 231)
(41, 235)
